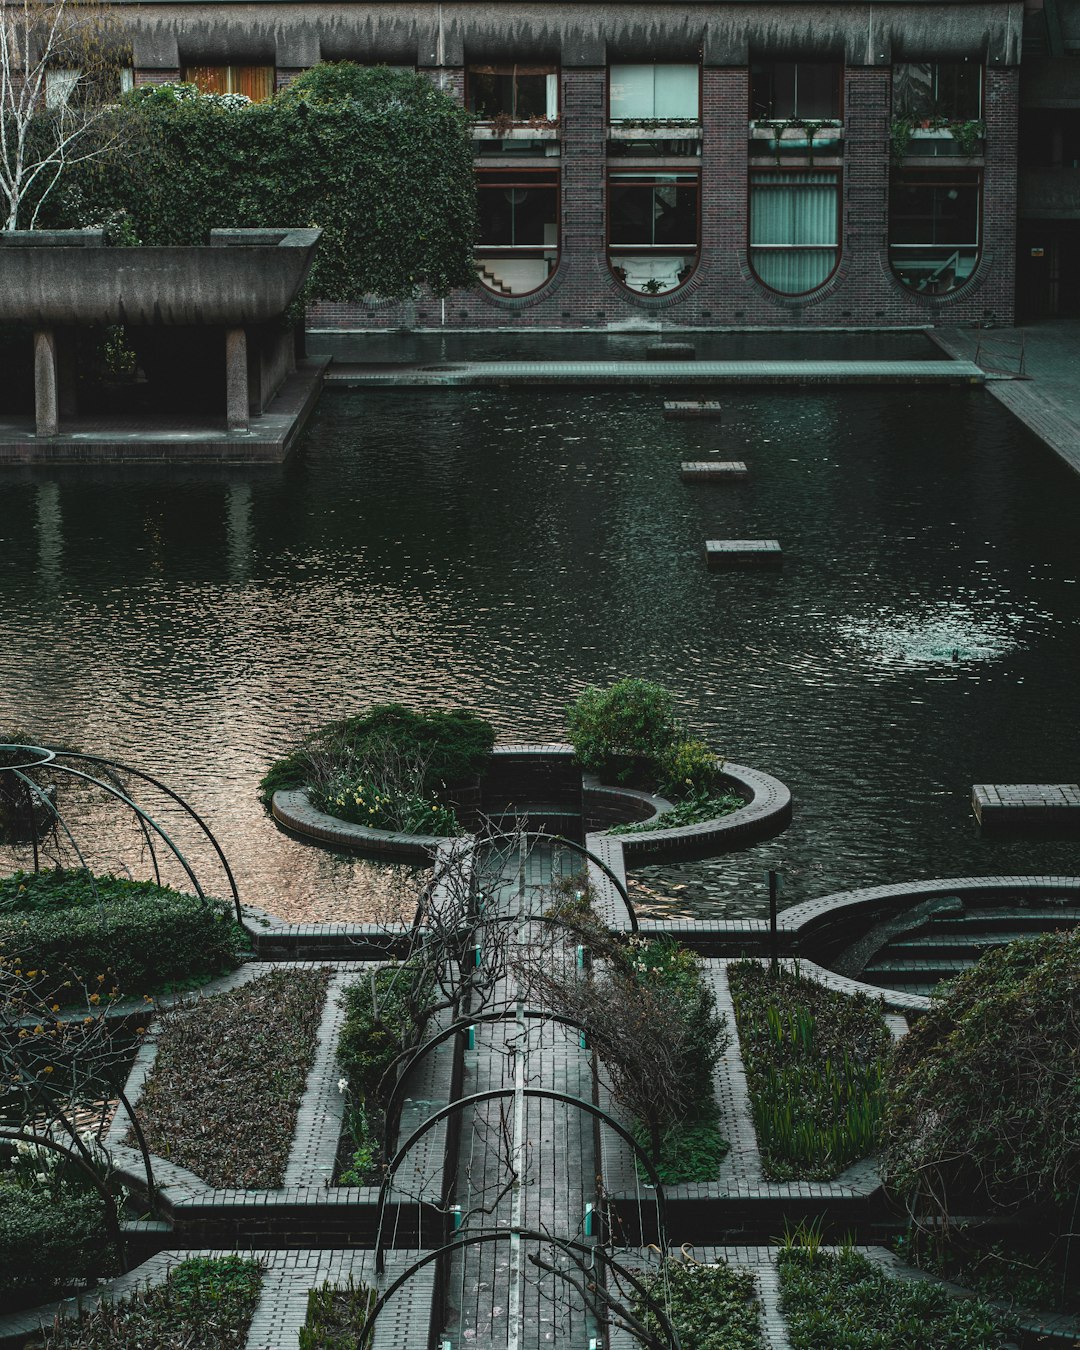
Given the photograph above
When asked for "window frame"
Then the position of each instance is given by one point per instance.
(513, 69)
(946, 177)
(945, 118)
(653, 172)
(189, 70)
(523, 251)
(757, 171)
(838, 116)
(664, 121)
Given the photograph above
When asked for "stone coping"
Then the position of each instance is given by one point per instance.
(766, 813)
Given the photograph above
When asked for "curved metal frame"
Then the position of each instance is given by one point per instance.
(592, 857)
(414, 1053)
(55, 756)
(492, 1094)
(503, 1235)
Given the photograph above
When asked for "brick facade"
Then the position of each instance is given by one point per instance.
(722, 290)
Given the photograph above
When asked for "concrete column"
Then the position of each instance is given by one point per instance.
(236, 379)
(45, 383)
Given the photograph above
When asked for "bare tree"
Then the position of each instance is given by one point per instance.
(60, 65)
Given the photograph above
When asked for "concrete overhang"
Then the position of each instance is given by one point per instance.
(55, 279)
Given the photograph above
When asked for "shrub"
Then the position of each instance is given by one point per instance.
(688, 769)
(633, 717)
(441, 747)
(77, 927)
(383, 805)
(983, 1113)
(711, 1307)
(51, 1238)
(691, 811)
(846, 1302)
(814, 1061)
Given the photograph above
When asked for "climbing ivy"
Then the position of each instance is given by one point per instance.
(378, 159)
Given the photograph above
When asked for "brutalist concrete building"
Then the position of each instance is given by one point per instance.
(786, 164)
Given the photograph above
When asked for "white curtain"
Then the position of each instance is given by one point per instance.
(793, 229)
(644, 93)
(552, 97)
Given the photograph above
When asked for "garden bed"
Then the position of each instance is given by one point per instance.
(844, 1301)
(814, 1061)
(205, 1303)
(712, 1307)
(222, 1096)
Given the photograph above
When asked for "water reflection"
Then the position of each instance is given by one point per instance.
(502, 548)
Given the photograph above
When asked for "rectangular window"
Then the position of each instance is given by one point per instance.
(517, 92)
(924, 91)
(518, 209)
(255, 82)
(66, 85)
(657, 210)
(653, 93)
(783, 90)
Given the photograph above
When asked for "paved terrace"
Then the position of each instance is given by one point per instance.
(1045, 396)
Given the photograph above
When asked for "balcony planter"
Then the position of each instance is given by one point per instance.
(516, 131)
(675, 129)
(968, 136)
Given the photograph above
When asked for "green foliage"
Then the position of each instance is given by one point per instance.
(447, 746)
(51, 1238)
(206, 1303)
(688, 768)
(691, 1149)
(385, 805)
(711, 1307)
(105, 933)
(693, 811)
(846, 1302)
(633, 718)
(383, 1016)
(379, 159)
(983, 1111)
(222, 1096)
(336, 1315)
(814, 1061)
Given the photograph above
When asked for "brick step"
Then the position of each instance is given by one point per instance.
(1022, 922)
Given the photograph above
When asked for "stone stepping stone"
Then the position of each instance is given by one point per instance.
(713, 470)
(698, 408)
(743, 553)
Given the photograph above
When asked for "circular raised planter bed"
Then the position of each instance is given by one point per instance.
(767, 812)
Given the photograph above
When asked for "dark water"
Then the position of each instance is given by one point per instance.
(503, 548)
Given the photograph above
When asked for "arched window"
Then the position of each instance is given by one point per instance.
(653, 228)
(934, 227)
(794, 228)
(518, 248)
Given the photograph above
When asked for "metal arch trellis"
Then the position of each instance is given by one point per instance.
(529, 1235)
(54, 757)
(415, 1053)
(493, 1094)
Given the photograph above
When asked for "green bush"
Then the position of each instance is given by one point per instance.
(688, 769)
(632, 718)
(449, 746)
(692, 811)
(385, 806)
(381, 1020)
(379, 159)
(846, 1302)
(76, 927)
(336, 1316)
(983, 1111)
(51, 1238)
(711, 1307)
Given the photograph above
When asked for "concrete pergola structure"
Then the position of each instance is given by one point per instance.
(243, 282)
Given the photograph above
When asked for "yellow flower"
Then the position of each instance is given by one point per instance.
(95, 998)
(47, 1069)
